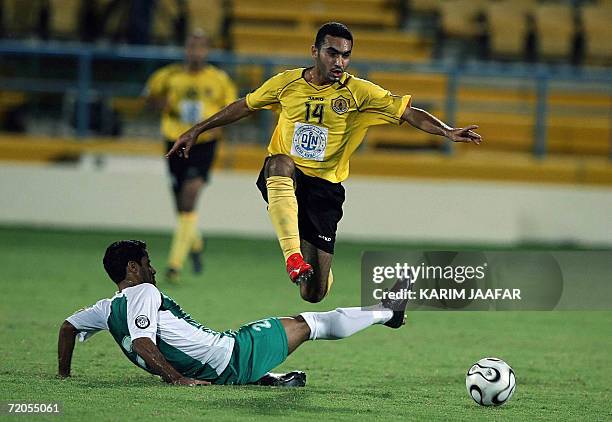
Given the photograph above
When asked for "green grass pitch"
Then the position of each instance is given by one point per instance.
(562, 359)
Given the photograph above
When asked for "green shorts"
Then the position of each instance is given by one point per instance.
(259, 347)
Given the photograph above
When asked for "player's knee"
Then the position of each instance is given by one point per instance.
(186, 206)
(303, 327)
(313, 296)
(280, 165)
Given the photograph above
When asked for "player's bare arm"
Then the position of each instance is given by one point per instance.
(424, 121)
(65, 347)
(156, 362)
(231, 113)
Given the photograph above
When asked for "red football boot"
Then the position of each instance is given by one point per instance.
(299, 271)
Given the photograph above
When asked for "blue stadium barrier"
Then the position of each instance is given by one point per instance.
(541, 74)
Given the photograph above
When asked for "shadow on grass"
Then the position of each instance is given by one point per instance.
(285, 402)
(242, 400)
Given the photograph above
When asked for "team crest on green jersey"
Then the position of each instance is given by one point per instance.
(142, 321)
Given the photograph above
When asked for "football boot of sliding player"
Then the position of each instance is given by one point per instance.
(290, 379)
(398, 305)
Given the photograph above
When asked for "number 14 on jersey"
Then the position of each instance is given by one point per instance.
(314, 113)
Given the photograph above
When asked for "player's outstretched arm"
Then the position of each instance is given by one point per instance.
(426, 122)
(156, 102)
(157, 363)
(65, 347)
(231, 113)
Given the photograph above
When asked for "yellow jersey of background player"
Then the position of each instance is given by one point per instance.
(186, 93)
(325, 113)
(190, 97)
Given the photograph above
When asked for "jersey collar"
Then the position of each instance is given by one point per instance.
(336, 85)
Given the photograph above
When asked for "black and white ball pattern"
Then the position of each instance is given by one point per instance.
(490, 382)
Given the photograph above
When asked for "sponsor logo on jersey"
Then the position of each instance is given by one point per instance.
(316, 99)
(191, 111)
(309, 141)
(340, 105)
(142, 321)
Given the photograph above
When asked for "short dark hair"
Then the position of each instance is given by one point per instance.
(119, 254)
(333, 29)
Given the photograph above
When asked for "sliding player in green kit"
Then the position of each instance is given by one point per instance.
(157, 335)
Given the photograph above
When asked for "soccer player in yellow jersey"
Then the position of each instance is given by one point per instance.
(187, 93)
(324, 115)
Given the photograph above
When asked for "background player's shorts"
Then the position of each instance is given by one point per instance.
(260, 346)
(319, 207)
(198, 164)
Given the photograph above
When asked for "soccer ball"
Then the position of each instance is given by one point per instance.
(490, 382)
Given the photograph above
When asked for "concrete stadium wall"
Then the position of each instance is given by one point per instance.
(119, 193)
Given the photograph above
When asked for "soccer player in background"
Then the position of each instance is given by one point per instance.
(186, 93)
(325, 114)
(157, 335)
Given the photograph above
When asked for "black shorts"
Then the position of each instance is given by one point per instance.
(319, 208)
(198, 164)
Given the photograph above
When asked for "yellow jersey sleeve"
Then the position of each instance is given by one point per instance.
(268, 93)
(378, 105)
(157, 85)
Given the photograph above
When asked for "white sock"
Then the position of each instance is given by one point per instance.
(344, 322)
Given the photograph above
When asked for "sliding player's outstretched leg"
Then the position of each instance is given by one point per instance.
(273, 346)
(344, 322)
(279, 173)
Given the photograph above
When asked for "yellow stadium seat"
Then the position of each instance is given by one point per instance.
(129, 107)
(555, 30)
(458, 17)
(399, 46)
(207, 15)
(501, 130)
(425, 6)
(401, 136)
(579, 135)
(165, 14)
(580, 99)
(578, 122)
(365, 13)
(517, 96)
(507, 23)
(19, 19)
(64, 18)
(390, 45)
(597, 24)
(424, 87)
(116, 17)
(9, 99)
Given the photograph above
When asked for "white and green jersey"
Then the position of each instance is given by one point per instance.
(143, 311)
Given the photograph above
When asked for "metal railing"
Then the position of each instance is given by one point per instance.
(86, 54)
